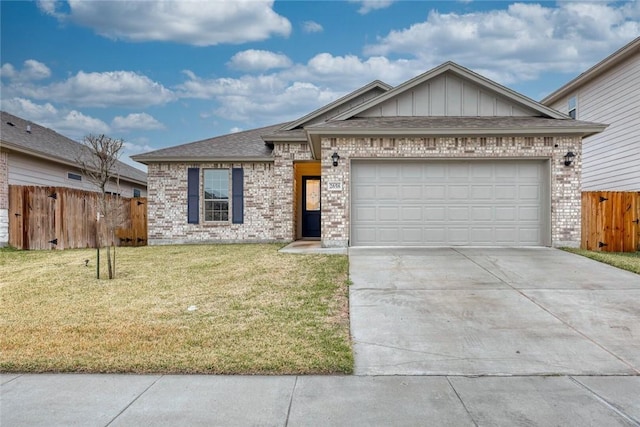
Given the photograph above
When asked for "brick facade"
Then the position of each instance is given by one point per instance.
(167, 210)
(565, 181)
(269, 187)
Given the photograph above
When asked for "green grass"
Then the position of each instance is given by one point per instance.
(625, 260)
(257, 311)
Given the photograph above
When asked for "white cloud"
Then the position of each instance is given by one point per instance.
(199, 23)
(110, 88)
(258, 60)
(257, 100)
(518, 43)
(141, 121)
(70, 123)
(312, 27)
(367, 6)
(235, 129)
(31, 70)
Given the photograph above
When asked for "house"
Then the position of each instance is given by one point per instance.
(31, 154)
(608, 92)
(447, 158)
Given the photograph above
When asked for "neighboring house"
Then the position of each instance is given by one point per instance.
(447, 158)
(609, 92)
(31, 154)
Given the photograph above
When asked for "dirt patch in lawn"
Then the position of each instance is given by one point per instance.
(224, 309)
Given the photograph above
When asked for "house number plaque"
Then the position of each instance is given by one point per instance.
(335, 186)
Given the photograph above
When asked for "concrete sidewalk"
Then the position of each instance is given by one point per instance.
(193, 400)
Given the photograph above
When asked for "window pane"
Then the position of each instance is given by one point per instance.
(312, 202)
(216, 195)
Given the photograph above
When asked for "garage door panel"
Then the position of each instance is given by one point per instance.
(411, 192)
(387, 192)
(457, 235)
(482, 213)
(458, 192)
(435, 172)
(482, 170)
(388, 235)
(429, 203)
(482, 234)
(528, 171)
(389, 213)
(435, 192)
(505, 192)
(364, 214)
(458, 213)
(506, 214)
(481, 192)
(529, 213)
(435, 214)
(506, 171)
(529, 236)
(412, 235)
(529, 192)
(411, 213)
(366, 192)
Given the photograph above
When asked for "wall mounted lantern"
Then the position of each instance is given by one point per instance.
(568, 158)
(335, 157)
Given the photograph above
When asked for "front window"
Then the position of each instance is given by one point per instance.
(216, 195)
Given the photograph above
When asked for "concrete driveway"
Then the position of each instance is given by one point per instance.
(491, 311)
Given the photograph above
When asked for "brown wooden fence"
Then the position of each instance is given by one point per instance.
(64, 218)
(610, 221)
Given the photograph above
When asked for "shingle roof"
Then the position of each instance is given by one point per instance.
(44, 142)
(246, 145)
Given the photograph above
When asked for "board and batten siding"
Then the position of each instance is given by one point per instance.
(448, 95)
(611, 159)
(28, 170)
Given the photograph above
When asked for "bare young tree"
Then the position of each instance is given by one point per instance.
(99, 163)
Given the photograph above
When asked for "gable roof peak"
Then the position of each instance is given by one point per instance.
(376, 85)
(462, 72)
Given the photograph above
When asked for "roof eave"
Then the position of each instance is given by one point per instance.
(547, 130)
(276, 138)
(152, 159)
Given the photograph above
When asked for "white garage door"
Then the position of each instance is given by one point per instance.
(446, 203)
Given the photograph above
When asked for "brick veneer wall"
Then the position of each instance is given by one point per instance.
(565, 181)
(167, 209)
(4, 198)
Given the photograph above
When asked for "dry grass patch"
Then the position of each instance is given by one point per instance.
(257, 311)
(629, 261)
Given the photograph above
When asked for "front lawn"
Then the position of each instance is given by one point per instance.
(223, 309)
(625, 260)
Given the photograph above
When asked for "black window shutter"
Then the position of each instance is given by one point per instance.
(237, 191)
(193, 195)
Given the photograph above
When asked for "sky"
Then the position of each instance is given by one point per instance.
(163, 73)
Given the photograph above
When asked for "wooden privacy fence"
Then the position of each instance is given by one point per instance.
(65, 218)
(610, 221)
